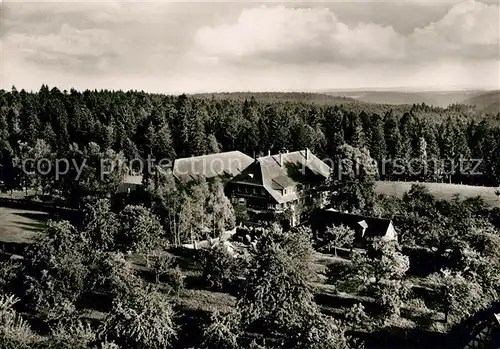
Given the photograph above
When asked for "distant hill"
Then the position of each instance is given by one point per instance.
(308, 97)
(434, 98)
(488, 102)
(373, 101)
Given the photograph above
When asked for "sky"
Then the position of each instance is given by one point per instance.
(210, 46)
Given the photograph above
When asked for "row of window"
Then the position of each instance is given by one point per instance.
(257, 203)
(250, 189)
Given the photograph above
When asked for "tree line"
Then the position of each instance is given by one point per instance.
(416, 142)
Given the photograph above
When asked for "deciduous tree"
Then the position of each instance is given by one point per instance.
(139, 230)
(339, 236)
(143, 319)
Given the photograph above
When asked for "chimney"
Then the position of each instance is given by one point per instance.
(281, 159)
(307, 154)
(269, 153)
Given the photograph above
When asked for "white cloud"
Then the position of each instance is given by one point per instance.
(179, 47)
(296, 35)
(299, 35)
(68, 40)
(470, 27)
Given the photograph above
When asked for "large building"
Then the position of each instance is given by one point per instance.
(222, 165)
(218, 165)
(288, 182)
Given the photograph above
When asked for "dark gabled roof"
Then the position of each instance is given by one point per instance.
(228, 164)
(299, 167)
(375, 227)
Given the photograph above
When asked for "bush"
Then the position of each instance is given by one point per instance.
(357, 319)
(416, 304)
(159, 263)
(15, 332)
(175, 279)
(222, 332)
(322, 332)
(389, 296)
(142, 320)
(8, 273)
(220, 269)
(425, 319)
(338, 274)
(77, 335)
(113, 274)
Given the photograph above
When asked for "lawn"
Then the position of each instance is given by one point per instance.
(442, 191)
(20, 226)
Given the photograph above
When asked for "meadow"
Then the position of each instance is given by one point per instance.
(20, 226)
(442, 191)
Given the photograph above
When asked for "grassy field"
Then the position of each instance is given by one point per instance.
(20, 226)
(442, 191)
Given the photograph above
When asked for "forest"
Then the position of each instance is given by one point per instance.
(409, 142)
(121, 276)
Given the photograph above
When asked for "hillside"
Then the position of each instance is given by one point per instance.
(350, 104)
(488, 102)
(307, 97)
(434, 98)
(442, 191)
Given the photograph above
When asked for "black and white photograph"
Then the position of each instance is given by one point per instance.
(250, 175)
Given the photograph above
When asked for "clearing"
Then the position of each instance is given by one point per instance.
(20, 226)
(442, 191)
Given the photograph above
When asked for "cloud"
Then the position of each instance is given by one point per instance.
(94, 37)
(470, 29)
(206, 46)
(300, 35)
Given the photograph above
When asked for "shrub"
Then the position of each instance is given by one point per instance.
(113, 274)
(15, 332)
(142, 320)
(139, 230)
(8, 272)
(338, 274)
(322, 332)
(220, 269)
(159, 263)
(175, 279)
(77, 335)
(357, 319)
(222, 332)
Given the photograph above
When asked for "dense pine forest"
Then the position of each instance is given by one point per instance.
(138, 124)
